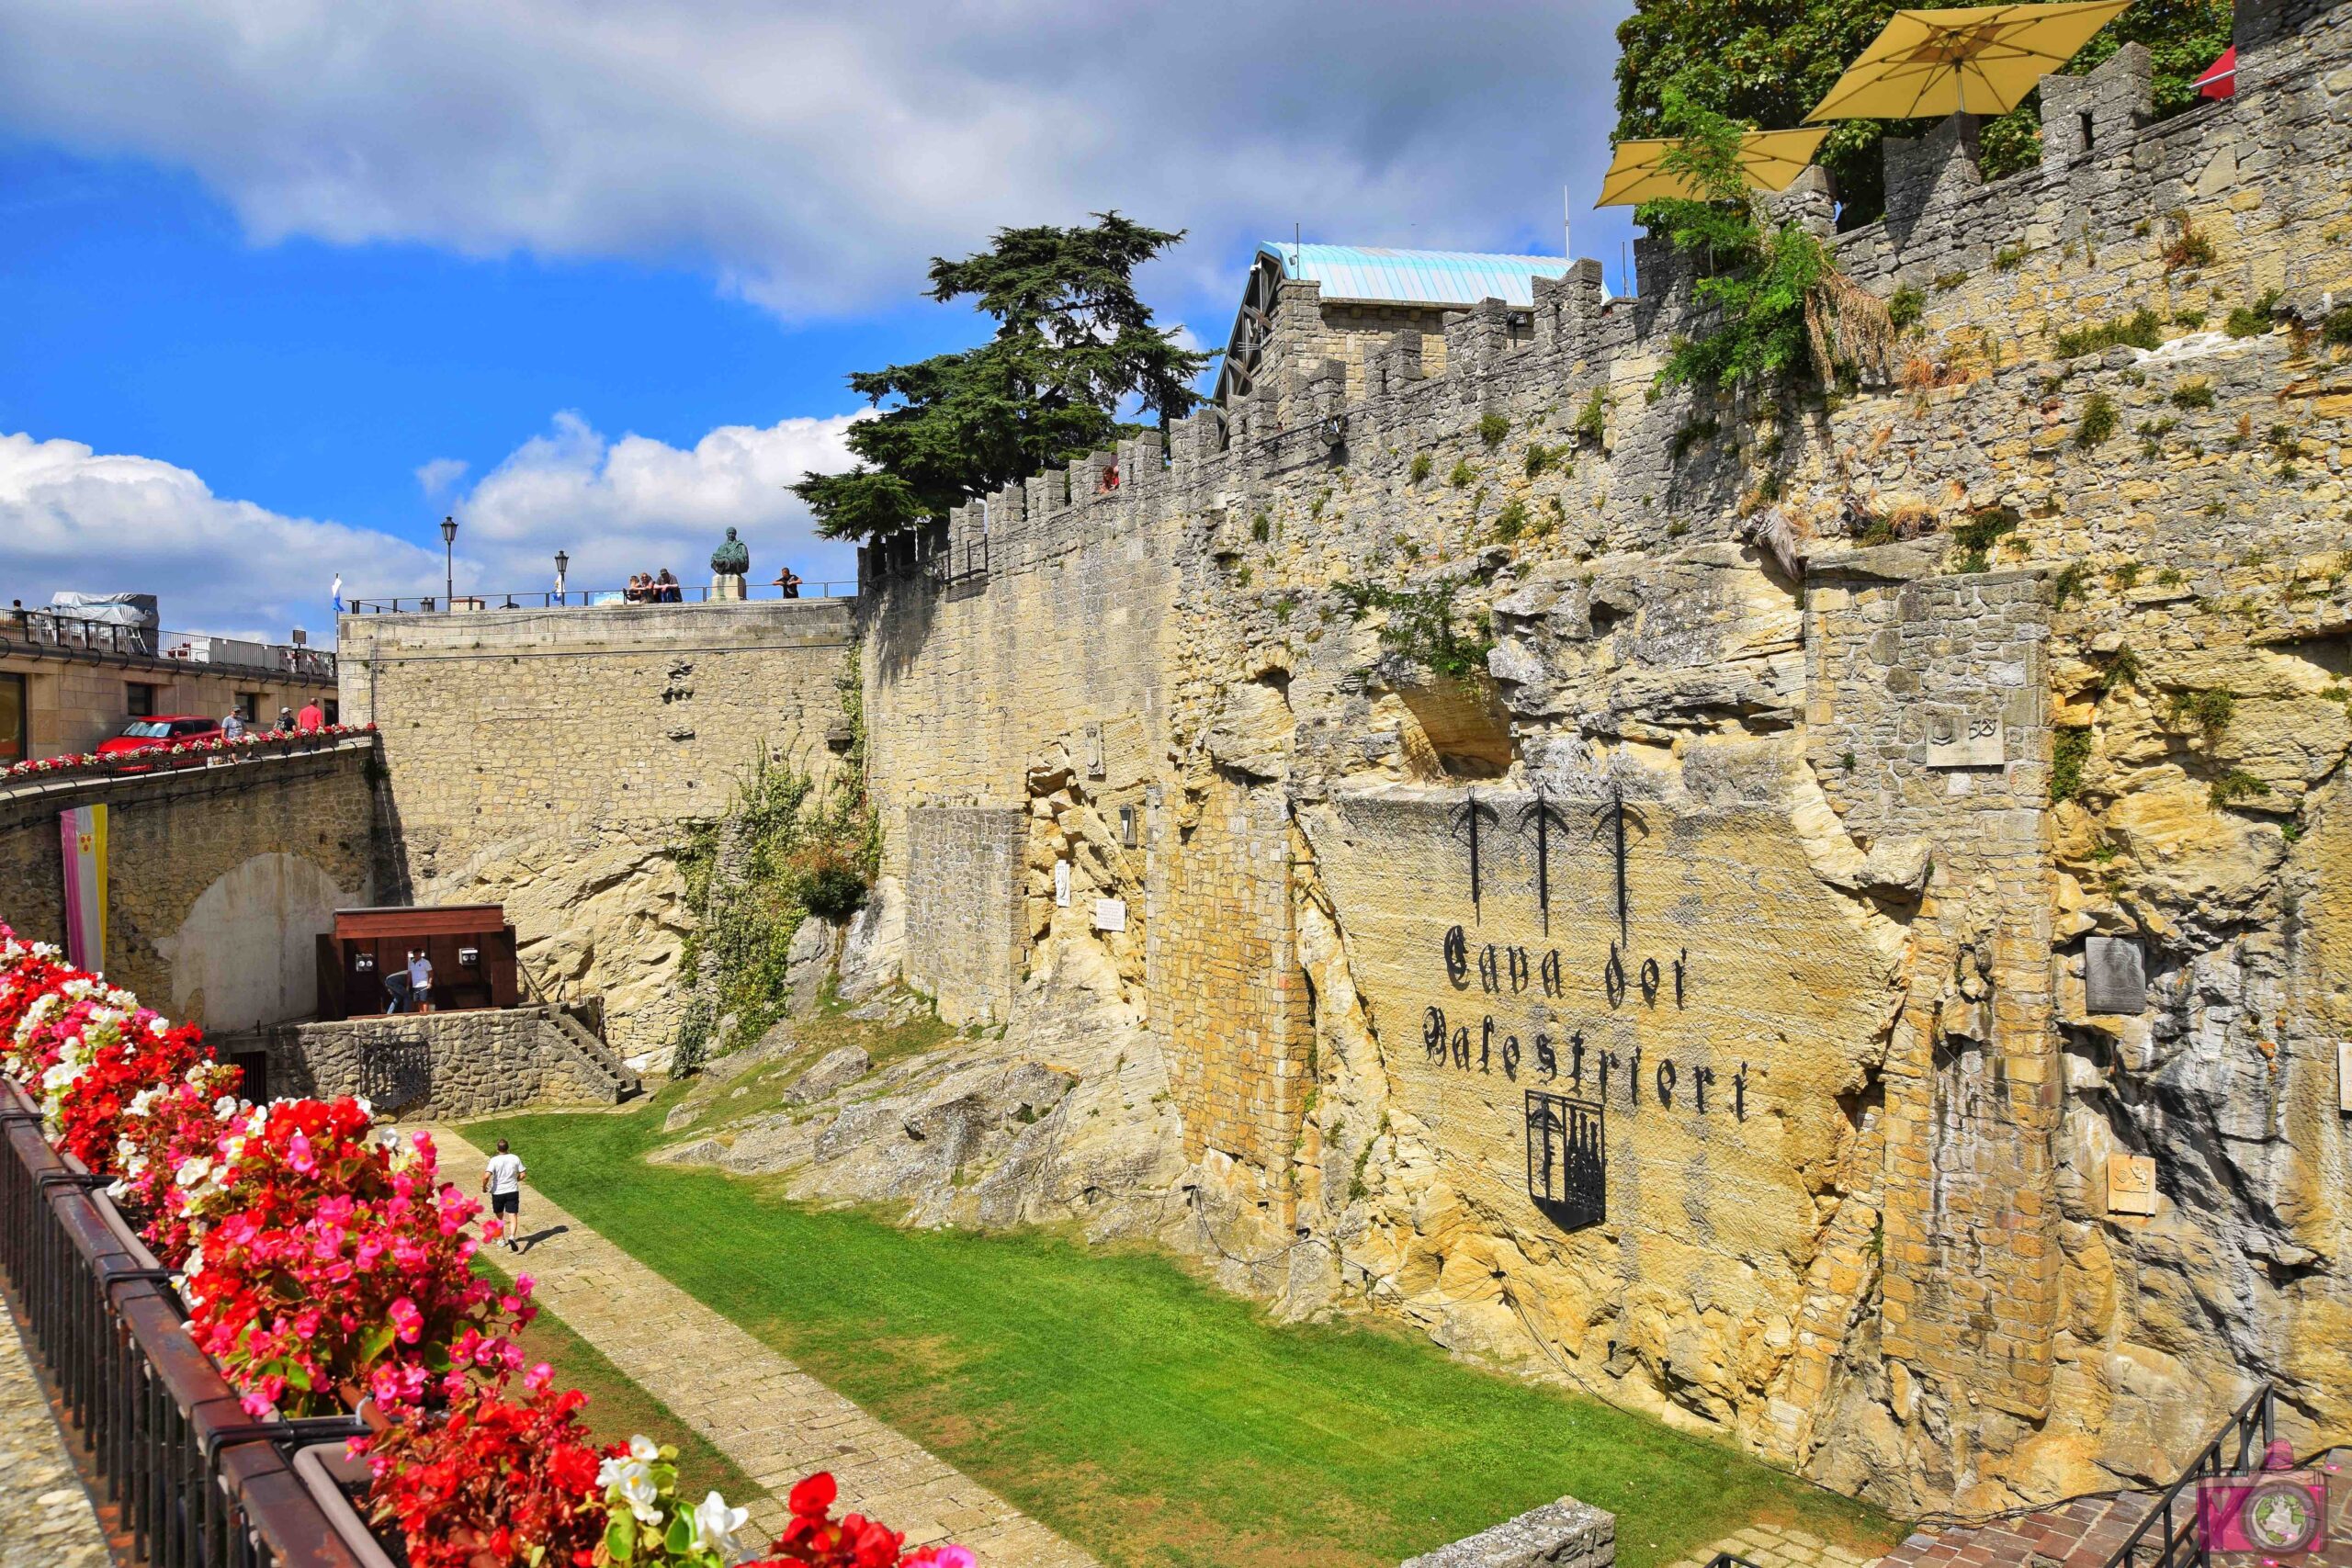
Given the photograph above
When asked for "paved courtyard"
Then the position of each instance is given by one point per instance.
(763, 1412)
(46, 1520)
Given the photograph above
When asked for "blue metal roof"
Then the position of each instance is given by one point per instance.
(1421, 278)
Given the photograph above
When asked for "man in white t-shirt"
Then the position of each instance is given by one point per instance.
(502, 1179)
(419, 981)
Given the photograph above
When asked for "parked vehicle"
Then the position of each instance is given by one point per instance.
(165, 729)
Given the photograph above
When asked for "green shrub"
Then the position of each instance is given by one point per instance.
(2193, 395)
(1539, 458)
(1421, 466)
(2008, 258)
(2099, 421)
(2123, 669)
(1906, 306)
(2140, 329)
(2208, 710)
(2253, 320)
(1947, 281)
(1976, 539)
(2068, 583)
(2069, 750)
(2336, 328)
(2235, 785)
(1421, 625)
(1262, 528)
(2125, 577)
(1492, 428)
(2189, 320)
(1592, 419)
(1511, 521)
(1462, 474)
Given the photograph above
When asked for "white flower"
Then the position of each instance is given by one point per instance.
(716, 1524)
(644, 1449)
(193, 1171)
(634, 1481)
(224, 1108)
(364, 1108)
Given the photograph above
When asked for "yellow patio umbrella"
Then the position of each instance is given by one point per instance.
(1980, 59)
(1768, 160)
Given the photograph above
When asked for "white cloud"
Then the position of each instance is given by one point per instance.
(637, 504)
(437, 474)
(813, 153)
(74, 518)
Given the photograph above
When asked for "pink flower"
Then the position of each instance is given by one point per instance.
(539, 1377)
(407, 1322)
(298, 1155)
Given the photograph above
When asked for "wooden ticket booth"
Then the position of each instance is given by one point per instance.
(471, 945)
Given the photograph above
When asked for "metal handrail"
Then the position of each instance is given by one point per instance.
(2258, 1413)
(51, 634)
(186, 1477)
(588, 598)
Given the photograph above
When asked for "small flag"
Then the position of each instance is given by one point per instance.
(338, 594)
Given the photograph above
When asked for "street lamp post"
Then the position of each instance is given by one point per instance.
(449, 561)
(562, 564)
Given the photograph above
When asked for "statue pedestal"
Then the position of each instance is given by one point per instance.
(729, 586)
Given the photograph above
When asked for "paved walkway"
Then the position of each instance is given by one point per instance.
(768, 1415)
(46, 1520)
(1778, 1546)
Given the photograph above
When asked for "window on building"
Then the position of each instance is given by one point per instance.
(12, 718)
(249, 706)
(333, 709)
(139, 698)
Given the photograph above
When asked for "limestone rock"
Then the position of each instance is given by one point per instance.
(702, 1151)
(808, 963)
(876, 943)
(837, 1070)
(680, 1114)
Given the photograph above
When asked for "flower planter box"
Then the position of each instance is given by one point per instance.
(337, 1482)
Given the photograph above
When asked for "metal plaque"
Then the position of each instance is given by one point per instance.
(2115, 975)
(1567, 1159)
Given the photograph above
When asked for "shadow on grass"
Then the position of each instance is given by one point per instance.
(1146, 1414)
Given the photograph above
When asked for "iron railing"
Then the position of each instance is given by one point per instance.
(49, 634)
(582, 598)
(183, 1478)
(2176, 1540)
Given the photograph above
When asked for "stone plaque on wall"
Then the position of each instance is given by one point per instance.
(1958, 739)
(2115, 975)
(1110, 914)
(2130, 1184)
(2344, 1076)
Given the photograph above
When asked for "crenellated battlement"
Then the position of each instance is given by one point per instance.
(2011, 261)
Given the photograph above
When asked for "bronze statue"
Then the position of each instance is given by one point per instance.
(731, 559)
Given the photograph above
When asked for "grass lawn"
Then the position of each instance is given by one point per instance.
(1147, 1415)
(618, 1409)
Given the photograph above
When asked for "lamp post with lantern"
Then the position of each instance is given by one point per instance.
(449, 561)
(562, 564)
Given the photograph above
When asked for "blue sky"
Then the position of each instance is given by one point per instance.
(286, 281)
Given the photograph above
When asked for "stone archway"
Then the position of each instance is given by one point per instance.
(245, 955)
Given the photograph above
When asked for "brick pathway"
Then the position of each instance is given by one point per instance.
(2086, 1533)
(46, 1520)
(769, 1417)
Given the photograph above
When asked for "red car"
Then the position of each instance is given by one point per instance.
(163, 729)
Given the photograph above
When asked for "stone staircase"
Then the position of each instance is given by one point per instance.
(590, 1053)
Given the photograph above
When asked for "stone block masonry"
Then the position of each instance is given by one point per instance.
(219, 878)
(964, 908)
(445, 1066)
(550, 760)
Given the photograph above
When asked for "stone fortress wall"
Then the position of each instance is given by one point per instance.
(221, 879)
(549, 760)
(1962, 1009)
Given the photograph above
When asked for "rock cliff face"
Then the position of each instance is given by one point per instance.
(1819, 916)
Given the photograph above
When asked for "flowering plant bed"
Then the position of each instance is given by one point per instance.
(179, 753)
(320, 1265)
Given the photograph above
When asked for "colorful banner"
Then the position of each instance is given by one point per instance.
(84, 834)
